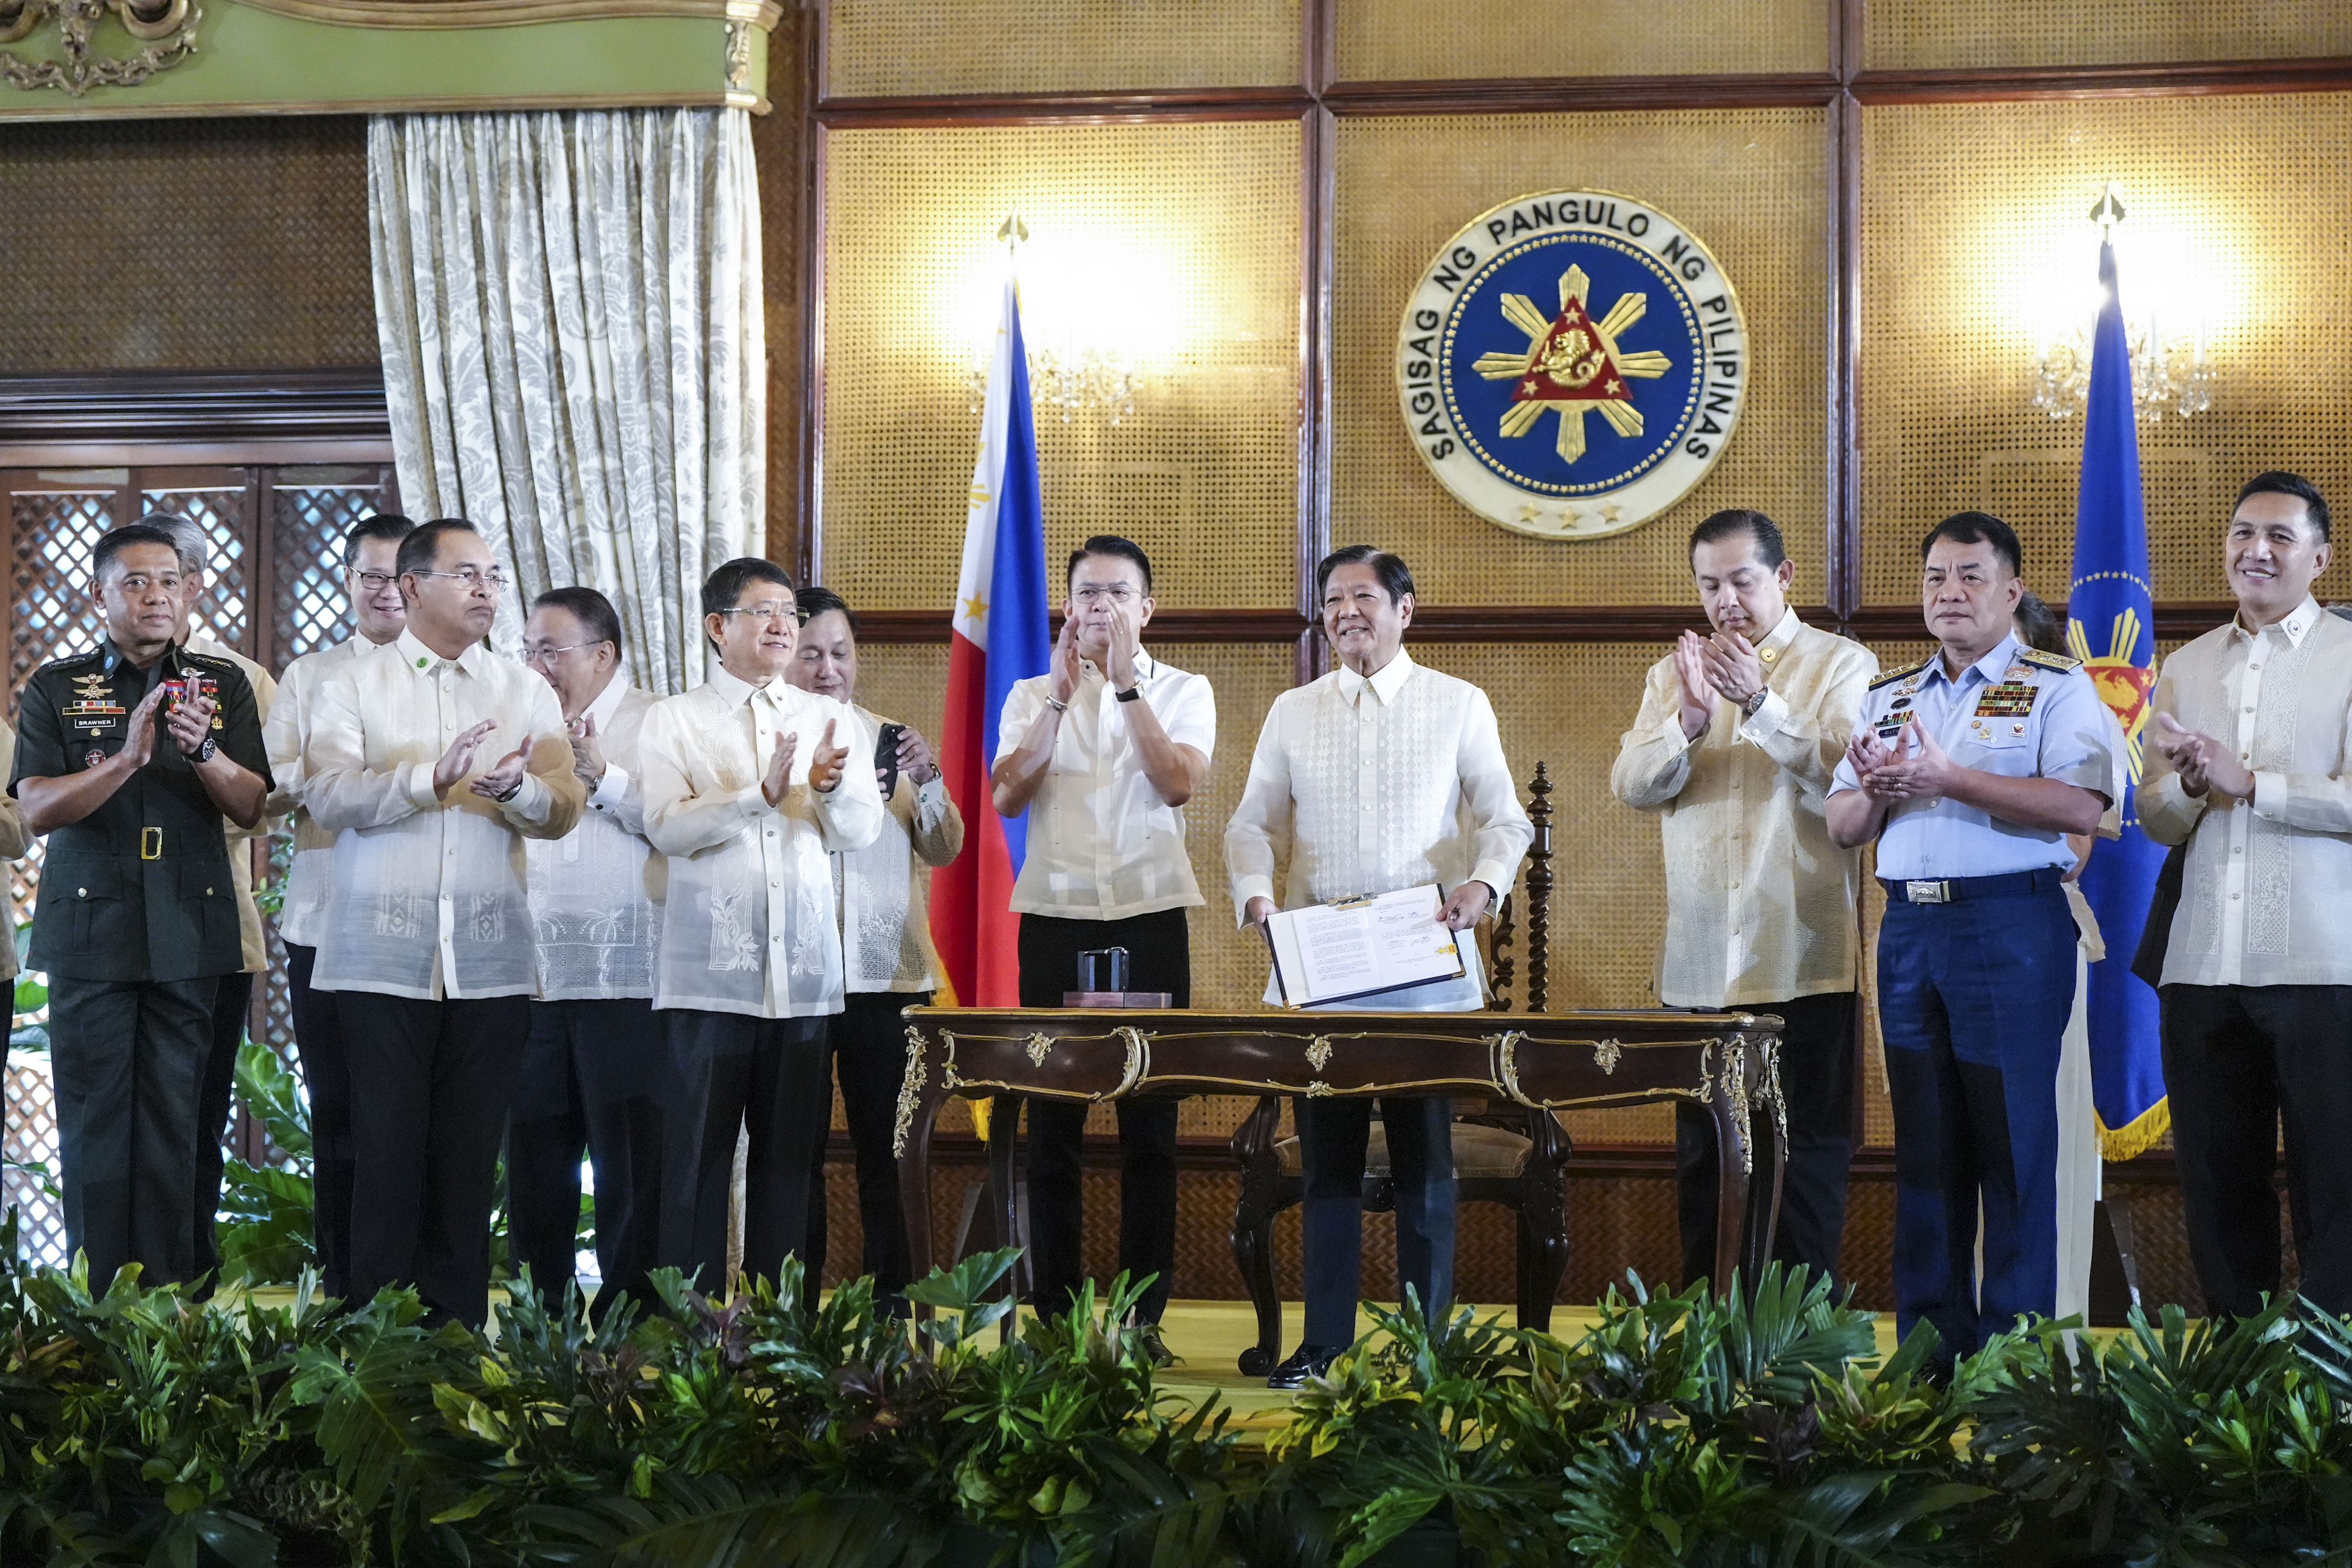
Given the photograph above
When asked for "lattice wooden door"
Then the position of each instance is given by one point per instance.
(275, 531)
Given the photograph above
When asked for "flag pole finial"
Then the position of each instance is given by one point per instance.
(1013, 230)
(2109, 210)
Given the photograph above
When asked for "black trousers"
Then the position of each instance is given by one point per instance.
(595, 1076)
(729, 1073)
(1158, 958)
(434, 1078)
(1817, 1062)
(128, 1060)
(1332, 1137)
(231, 1003)
(327, 1075)
(2238, 1061)
(867, 1043)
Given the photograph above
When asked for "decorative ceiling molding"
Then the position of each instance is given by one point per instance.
(447, 15)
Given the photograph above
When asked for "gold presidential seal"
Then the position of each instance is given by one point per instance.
(1571, 364)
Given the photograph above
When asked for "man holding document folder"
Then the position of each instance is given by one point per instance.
(1382, 782)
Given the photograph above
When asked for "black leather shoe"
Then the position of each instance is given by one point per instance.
(1307, 1361)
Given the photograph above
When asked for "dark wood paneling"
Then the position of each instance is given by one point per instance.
(1553, 95)
(194, 407)
(2181, 78)
(1521, 623)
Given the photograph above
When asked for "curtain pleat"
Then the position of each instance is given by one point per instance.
(568, 306)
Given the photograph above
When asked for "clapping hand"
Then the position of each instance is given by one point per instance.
(1917, 768)
(139, 743)
(1126, 642)
(587, 752)
(1062, 673)
(1731, 666)
(506, 777)
(459, 757)
(2205, 764)
(1691, 680)
(189, 722)
(826, 766)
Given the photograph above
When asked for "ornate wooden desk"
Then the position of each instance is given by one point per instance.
(1549, 1061)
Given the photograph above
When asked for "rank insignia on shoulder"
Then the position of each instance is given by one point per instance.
(2048, 660)
(1893, 675)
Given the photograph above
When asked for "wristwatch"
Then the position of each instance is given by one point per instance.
(1756, 702)
(512, 790)
(205, 753)
(1129, 694)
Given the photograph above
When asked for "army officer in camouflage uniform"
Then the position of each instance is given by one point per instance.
(130, 757)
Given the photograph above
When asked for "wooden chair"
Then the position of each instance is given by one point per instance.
(1503, 1153)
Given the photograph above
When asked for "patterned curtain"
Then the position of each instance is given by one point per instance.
(570, 311)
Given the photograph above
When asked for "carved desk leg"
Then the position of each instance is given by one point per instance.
(1723, 1071)
(920, 1094)
(1770, 1135)
(1004, 1193)
(1252, 1233)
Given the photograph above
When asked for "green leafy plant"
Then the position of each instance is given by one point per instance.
(29, 1028)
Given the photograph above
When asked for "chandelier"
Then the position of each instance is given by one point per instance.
(2169, 376)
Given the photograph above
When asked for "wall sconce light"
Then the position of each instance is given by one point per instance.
(2170, 375)
(1067, 372)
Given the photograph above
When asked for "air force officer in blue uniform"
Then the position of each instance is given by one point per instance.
(1970, 769)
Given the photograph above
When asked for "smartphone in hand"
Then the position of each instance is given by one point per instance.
(886, 756)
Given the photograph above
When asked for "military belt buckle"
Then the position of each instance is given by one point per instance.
(150, 843)
(1927, 892)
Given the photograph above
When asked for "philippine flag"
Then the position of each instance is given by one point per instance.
(999, 637)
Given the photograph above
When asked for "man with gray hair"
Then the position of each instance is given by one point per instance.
(233, 1002)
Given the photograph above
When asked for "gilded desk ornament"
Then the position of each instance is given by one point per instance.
(1606, 1054)
(1139, 1057)
(1318, 1090)
(1735, 1089)
(1039, 1045)
(1318, 1051)
(1769, 1084)
(167, 28)
(910, 1091)
(1504, 1048)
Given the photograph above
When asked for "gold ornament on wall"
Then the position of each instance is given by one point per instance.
(167, 28)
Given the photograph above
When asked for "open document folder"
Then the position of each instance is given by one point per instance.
(1354, 948)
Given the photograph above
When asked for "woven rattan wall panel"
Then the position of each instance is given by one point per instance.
(1176, 243)
(1929, 34)
(186, 243)
(1752, 183)
(888, 49)
(1973, 218)
(1565, 704)
(1398, 40)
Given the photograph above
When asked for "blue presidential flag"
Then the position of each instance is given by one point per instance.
(2111, 628)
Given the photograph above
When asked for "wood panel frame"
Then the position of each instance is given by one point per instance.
(1319, 101)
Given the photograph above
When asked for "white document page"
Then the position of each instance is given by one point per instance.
(1330, 952)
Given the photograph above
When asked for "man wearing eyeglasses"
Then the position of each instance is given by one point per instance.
(431, 759)
(378, 614)
(747, 790)
(1102, 752)
(589, 1077)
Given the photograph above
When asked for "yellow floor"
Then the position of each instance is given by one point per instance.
(1208, 1336)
